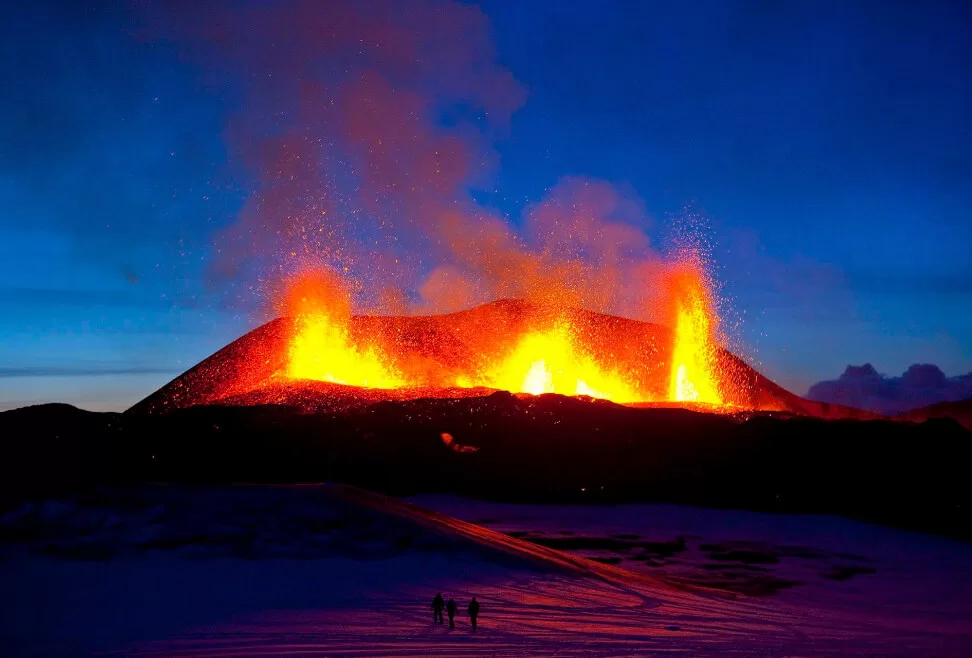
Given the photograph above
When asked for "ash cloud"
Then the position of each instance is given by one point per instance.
(580, 246)
(920, 385)
(341, 121)
(366, 125)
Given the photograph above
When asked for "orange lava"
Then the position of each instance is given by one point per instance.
(321, 348)
(694, 376)
(552, 362)
(546, 357)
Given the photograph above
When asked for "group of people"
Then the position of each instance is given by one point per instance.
(439, 604)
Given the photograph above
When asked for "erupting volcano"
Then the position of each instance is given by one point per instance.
(319, 356)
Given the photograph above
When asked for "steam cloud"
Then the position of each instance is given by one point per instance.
(367, 123)
(920, 385)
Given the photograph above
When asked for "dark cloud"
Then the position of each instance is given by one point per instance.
(920, 385)
(84, 370)
(362, 123)
(109, 152)
(953, 284)
(40, 298)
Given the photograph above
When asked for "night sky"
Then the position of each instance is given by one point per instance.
(827, 145)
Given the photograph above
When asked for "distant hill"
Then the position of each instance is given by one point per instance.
(548, 448)
(48, 447)
(921, 385)
(960, 411)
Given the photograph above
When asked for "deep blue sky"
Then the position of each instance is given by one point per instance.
(828, 144)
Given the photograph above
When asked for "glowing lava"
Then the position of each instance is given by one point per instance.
(694, 372)
(548, 356)
(321, 347)
(322, 350)
(551, 362)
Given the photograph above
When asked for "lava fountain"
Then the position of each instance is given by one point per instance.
(321, 348)
(549, 356)
(694, 375)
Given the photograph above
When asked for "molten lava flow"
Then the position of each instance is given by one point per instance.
(694, 373)
(321, 347)
(550, 362)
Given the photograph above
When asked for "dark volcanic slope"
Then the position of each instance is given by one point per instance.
(243, 373)
(960, 411)
(545, 448)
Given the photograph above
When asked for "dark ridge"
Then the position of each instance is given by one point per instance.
(546, 449)
(959, 411)
(842, 573)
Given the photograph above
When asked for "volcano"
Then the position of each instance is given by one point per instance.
(257, 368)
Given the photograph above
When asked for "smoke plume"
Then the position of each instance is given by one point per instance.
(366, 125)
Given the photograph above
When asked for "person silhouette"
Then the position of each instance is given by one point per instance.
(473, 611)
(451, 609)
(437, 605)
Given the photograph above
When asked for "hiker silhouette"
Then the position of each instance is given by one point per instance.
(473, 611)
(451, 609)
(437, 605)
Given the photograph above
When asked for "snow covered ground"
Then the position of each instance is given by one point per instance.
(784, 556)
(239, 571)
